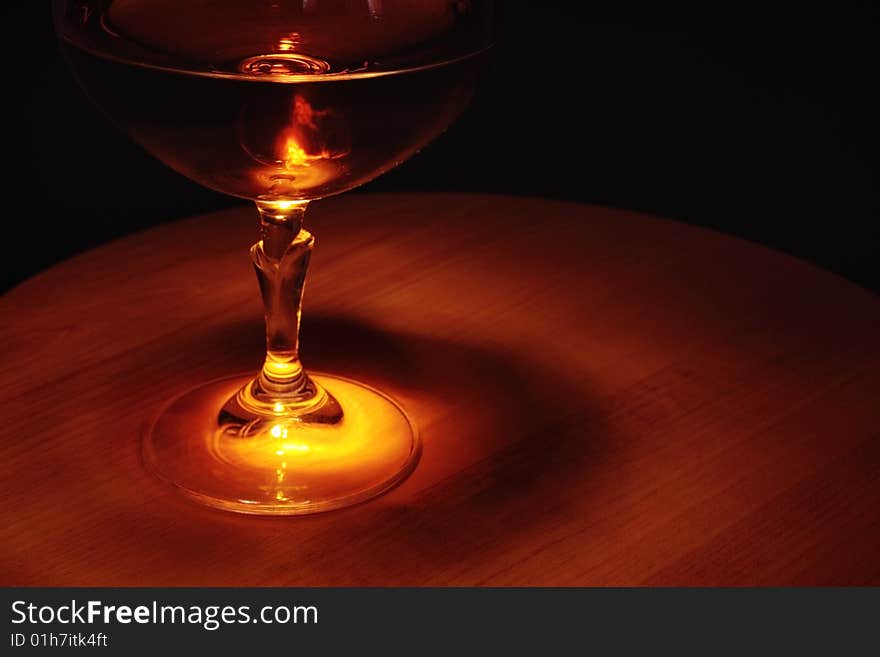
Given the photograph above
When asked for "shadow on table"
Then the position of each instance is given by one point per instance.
(504, 440)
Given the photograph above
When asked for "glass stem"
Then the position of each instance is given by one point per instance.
(281, 259)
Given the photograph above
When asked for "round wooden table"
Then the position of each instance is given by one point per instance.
(605, 398)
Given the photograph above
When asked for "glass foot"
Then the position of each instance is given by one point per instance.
(275, 465)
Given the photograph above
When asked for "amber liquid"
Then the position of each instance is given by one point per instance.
(277, 121)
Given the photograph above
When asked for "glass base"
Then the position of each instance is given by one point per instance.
(278, 465)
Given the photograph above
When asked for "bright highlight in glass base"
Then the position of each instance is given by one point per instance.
(285, 467)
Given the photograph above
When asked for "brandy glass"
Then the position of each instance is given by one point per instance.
(282, 102)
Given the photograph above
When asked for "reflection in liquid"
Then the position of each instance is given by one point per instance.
(306, 149)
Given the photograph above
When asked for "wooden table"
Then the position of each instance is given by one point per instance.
(605, 398)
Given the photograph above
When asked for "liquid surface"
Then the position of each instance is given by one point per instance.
(277, 100)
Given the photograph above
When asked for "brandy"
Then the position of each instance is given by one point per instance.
(267, 101)
(281, 102)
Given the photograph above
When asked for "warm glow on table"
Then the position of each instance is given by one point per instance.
(603, 398)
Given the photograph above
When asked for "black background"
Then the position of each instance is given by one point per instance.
(756, 119)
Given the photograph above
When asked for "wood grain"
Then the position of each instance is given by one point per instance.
(605, 398)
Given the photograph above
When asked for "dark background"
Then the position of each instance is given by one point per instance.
(754, 119)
